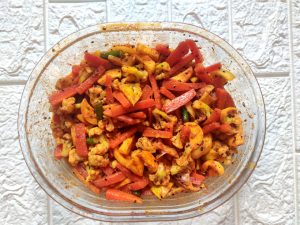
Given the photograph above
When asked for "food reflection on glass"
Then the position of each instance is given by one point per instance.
(136, 120)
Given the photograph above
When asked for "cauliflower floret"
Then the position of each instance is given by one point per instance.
(162, 175)
(145, 144)
(109, 125)
(92, 173)
(68, 105)
(94, 131)
(96, 155)
(101, 148)
(96, 95)
(74, 158)
(98, 160)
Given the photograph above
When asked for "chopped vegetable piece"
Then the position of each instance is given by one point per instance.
(117, 110)
(96, 61)
(147, 92)
(137, 193)
(107, 170)
(213, 67)
(122, 137)
(185, 115)
(181, 50)
(163, 49)
(138, 185)
(138, 115)
(90, 141)
(113, 73)
(214, 117)
(197, 179)
(128, 173)
(224, 99)
(155, 90)
(184, 76)
(88, 113)
(132, 91)
(81, 174)
(210, 127)
(108, 90)
(109, 180)
(80, 139)
(128, 120)
(149, 132)
(179, 101)
(122, 99)
(195, 51)
(143, 49)
(127, 146)
(116, 53)
(164, 91)
(99, 110)
(57, 97)
(185, 134)
(114, 194)
(88, 83)
(186, 60)
(174, 85)
(76, 69)
(57, 152)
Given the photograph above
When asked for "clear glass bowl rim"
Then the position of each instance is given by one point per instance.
(139, 26)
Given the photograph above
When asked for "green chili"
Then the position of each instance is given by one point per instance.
(90, 141)
(99, 111)
(185, 114)
(137, 193)
(116, 53)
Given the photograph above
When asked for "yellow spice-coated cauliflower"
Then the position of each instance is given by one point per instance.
(96, 156)
(74, 158)
(145, 144)
(68, 105)
(162, 175)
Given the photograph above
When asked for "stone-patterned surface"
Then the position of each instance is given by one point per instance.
(65, 18)
(298, 184)
(260, 33)
(268, 196)
(62, 216)
(137, 10)
(21, 199)
(209, 14)
(296, 46)
(21, 38)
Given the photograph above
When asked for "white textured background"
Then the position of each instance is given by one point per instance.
(266, 32)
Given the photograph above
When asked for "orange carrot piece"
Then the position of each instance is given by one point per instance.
(164, 91)
(149, 132)
(122, 99)
(108, 89)
(120, 138)
(114, 194)
(146, 93)
(182, 63)
(155, 90)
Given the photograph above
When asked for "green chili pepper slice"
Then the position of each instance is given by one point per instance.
(90, 141)
(116, 53)
(137, 193)
(185, 114)
(99, 111)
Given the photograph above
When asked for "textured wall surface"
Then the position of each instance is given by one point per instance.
(265, 32)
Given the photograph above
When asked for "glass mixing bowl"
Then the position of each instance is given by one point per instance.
(56, 178)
